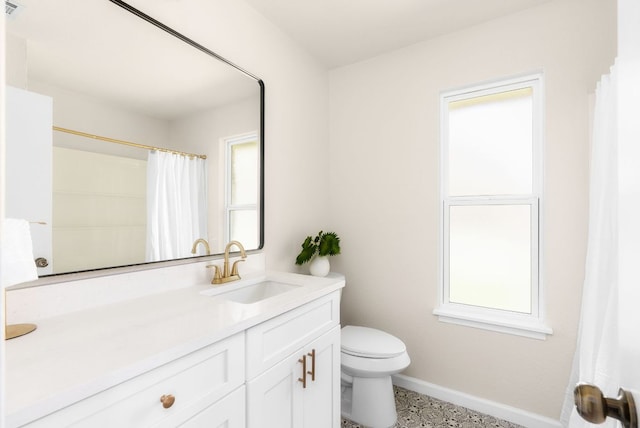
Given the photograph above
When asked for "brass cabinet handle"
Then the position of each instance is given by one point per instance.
(312, 354)
(594, 407)
(303, 379)
(167, 400)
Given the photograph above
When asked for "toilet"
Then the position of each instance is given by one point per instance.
(368, 358)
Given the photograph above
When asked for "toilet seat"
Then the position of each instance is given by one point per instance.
(373, 367)
(370, 343)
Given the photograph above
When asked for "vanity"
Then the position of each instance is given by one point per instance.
(263, 351)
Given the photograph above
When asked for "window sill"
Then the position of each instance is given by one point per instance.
(515, 324)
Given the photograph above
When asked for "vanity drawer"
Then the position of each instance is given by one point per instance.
(229, 412)
(272, 341)
(195, 381)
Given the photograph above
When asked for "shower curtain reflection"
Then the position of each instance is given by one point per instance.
(176, 205)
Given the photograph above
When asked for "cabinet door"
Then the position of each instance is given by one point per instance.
(321, 398)
(279, 399)
(274, 398)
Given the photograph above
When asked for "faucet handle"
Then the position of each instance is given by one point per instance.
(216, 274)
(234, 268)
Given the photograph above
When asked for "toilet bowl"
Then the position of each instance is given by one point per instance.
(368, 358)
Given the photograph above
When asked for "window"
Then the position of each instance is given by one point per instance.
(241, 220)
(491, 190)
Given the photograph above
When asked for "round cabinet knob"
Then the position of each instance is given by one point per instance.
(167, 400)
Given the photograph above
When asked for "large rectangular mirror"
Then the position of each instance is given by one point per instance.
(127, 143)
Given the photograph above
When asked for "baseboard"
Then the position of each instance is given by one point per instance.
(497, 410)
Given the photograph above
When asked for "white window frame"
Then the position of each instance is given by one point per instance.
(522, 324)
(228, 206)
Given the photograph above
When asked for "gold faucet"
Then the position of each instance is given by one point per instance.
(203, 242)
(226, 276)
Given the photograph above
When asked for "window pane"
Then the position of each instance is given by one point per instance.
(490, 144)
(490, 256)
(244, 173)
(243, 227)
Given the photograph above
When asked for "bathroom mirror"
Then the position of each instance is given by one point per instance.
(128, 109)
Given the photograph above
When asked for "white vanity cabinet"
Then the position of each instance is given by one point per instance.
(293, 368)
(192, 391)
(270, 364)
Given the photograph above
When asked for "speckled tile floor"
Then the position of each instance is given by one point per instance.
(420, 411)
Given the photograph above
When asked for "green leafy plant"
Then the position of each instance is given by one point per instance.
(324, 244)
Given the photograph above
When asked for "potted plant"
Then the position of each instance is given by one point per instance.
(317, 250)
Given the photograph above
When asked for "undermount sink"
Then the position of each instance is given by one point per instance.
(257, 292)
(258, 287)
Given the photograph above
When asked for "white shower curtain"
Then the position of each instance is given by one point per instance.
(176, 204)
(596, 359)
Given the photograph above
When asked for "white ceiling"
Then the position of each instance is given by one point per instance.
(340, 32)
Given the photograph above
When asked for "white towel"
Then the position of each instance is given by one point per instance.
(17, 263)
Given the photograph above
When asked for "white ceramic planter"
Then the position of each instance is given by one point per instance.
(319, 266)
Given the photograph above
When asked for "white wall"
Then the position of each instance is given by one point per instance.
(384, 141)
(16, 50)
(2, 205)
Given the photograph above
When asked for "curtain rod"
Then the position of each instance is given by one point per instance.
(126, 143)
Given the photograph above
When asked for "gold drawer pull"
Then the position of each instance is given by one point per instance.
(303, 379)
(167, 400)
(312, 354)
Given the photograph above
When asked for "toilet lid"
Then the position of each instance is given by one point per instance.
(370, 343)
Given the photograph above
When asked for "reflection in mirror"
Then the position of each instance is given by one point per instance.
(128, 140)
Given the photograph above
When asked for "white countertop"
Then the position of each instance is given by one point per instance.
(72, 356)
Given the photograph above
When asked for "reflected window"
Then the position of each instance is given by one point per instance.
(242, 190)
